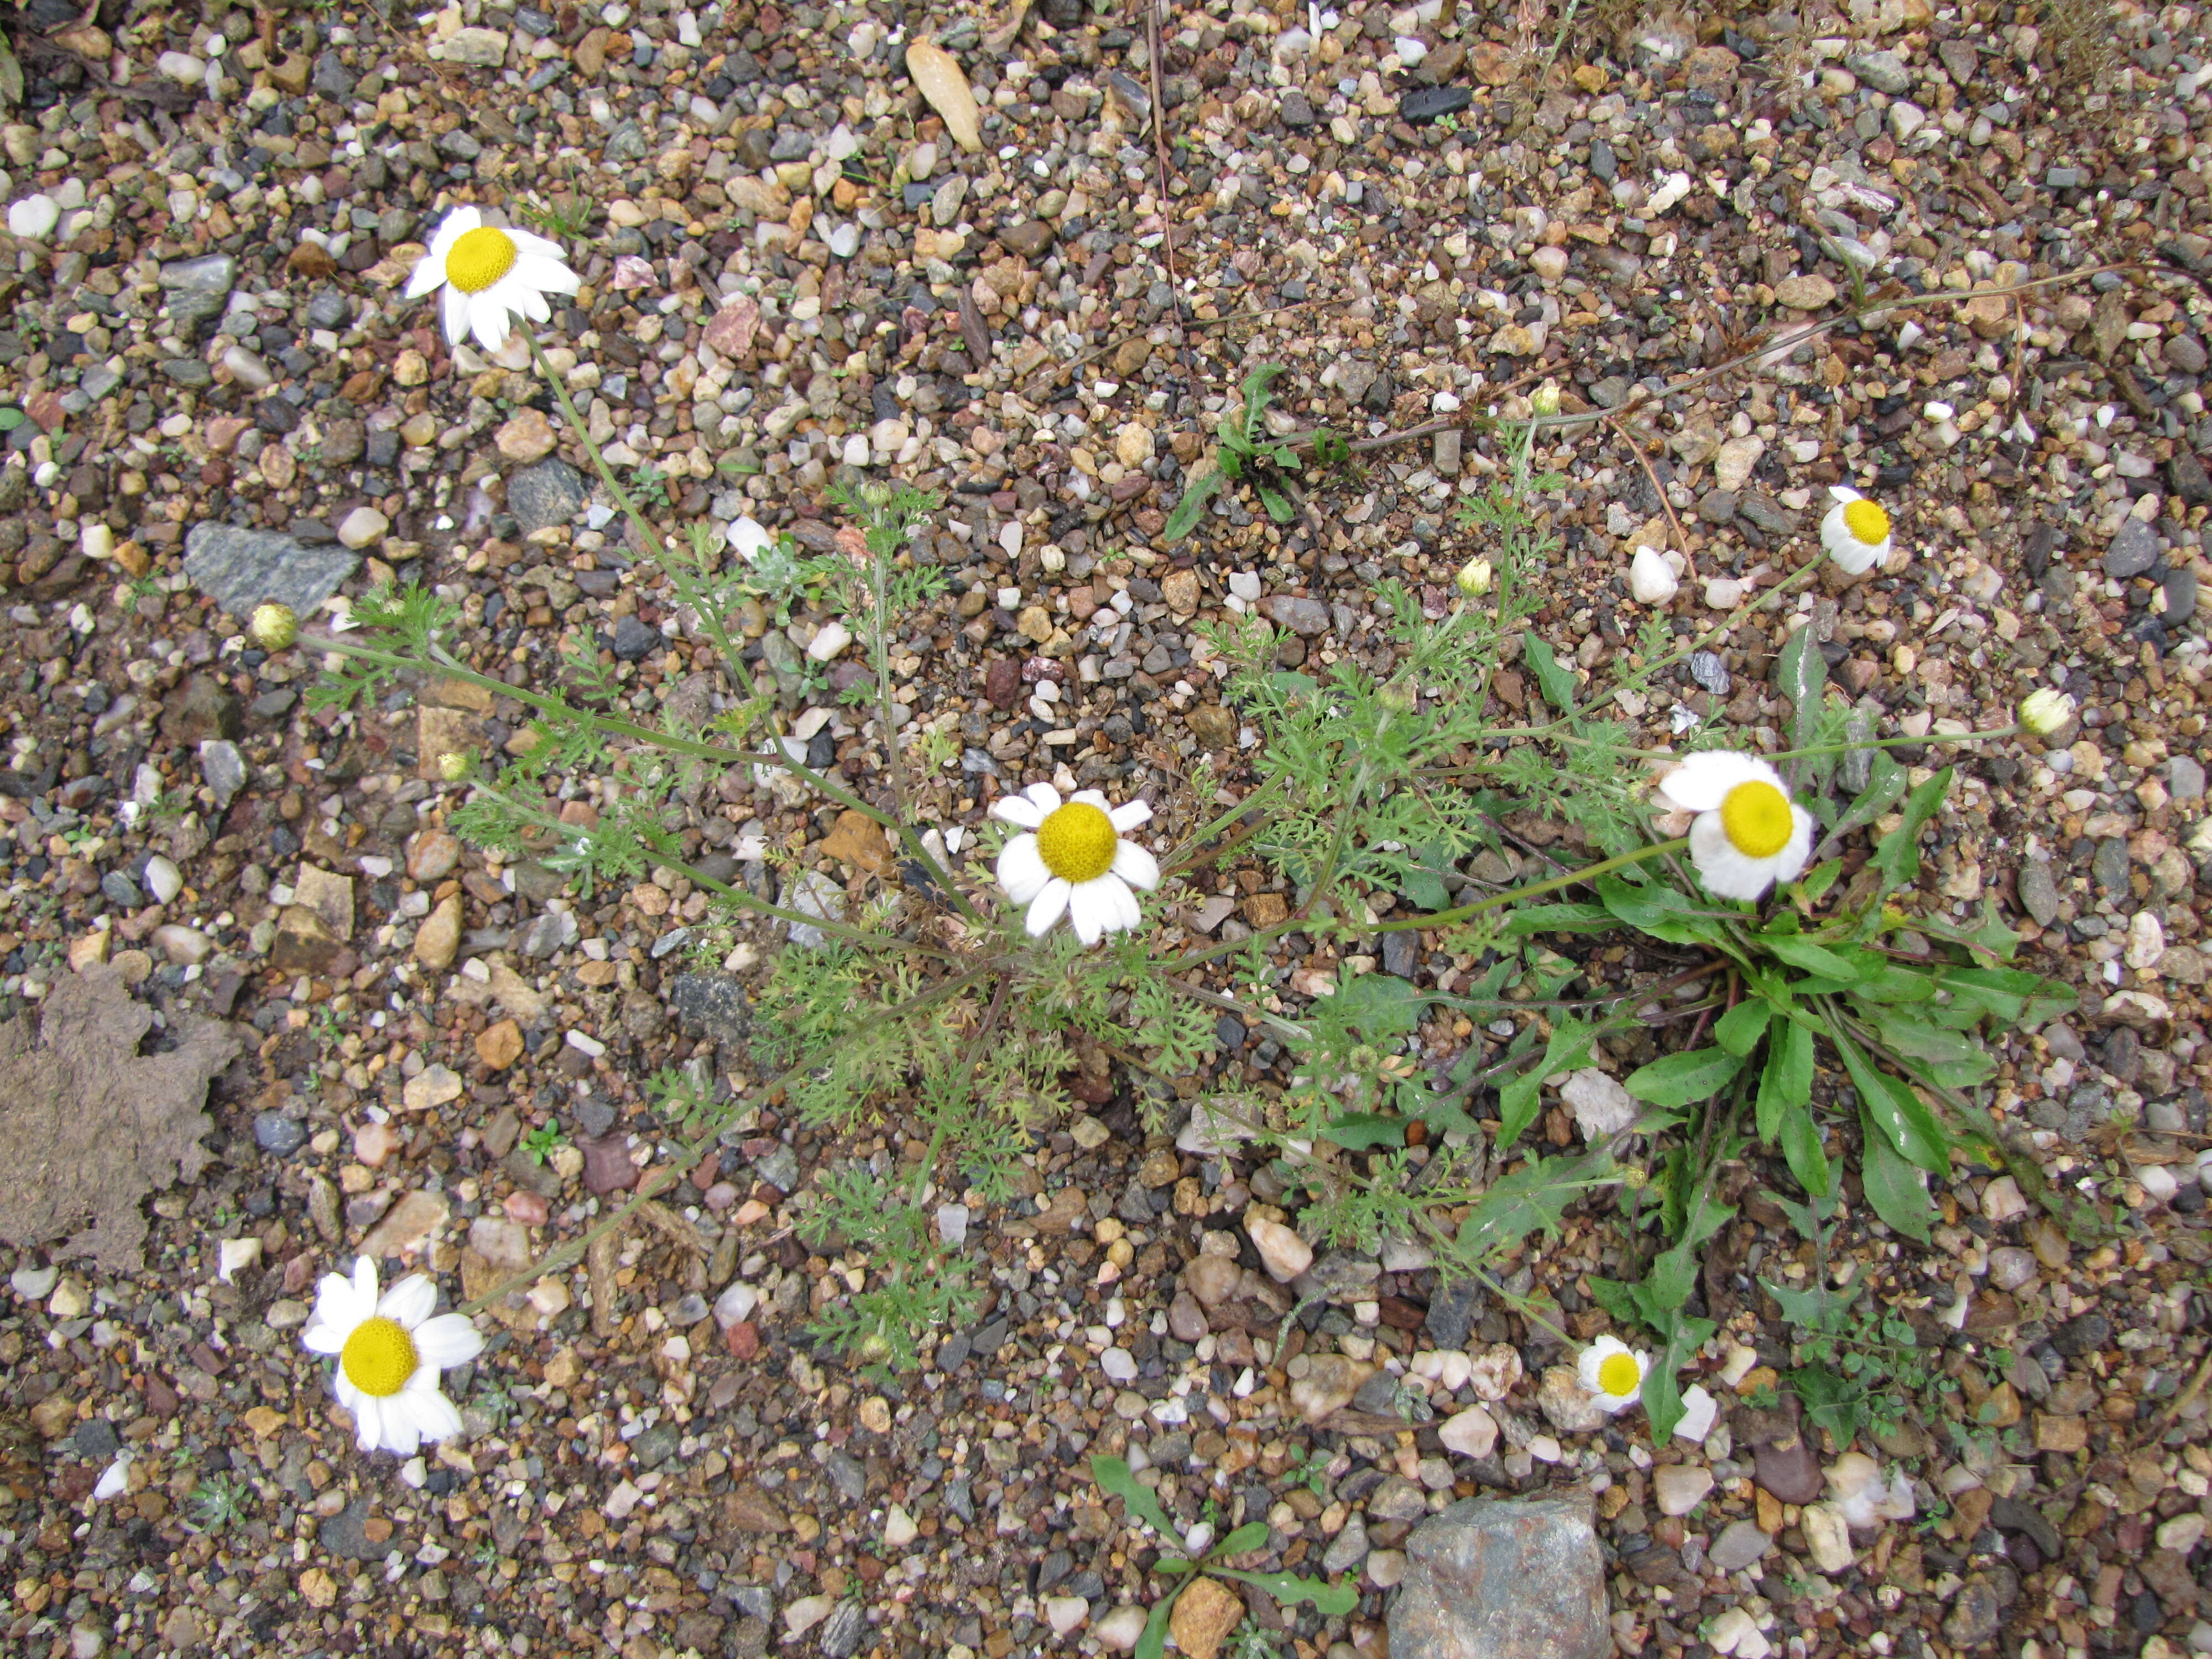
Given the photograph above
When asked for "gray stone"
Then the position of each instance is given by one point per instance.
(239, 569)
(2184, 778)
(2109, 865)
(345, 1535)
(1451, 1314)
(1402, 953)
(844, 1629)
(222, 768)
(633, 640)
(2185, 352)
(1503, 1579)
(2038, 894)
(273, 1131)
(1883, 71)
(333, 79)
(2180, 596)
(544, 496)
(1306, 617)
(214, 274)
(712, 1005)
(2133, 551)
(1738, 1547)
(1976, 1614)
(1348, 1548)
(95, 1438)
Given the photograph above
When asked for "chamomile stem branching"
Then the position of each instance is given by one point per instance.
(1535, 889)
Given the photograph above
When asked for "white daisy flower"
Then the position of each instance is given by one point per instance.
(491, 275)
(1612, 1374)
(390, 1352)
(750, 538)
(1748, 834)
(1076, 860)
(1855, 532)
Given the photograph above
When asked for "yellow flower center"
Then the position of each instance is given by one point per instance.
(1076, 842)
(1866, 522)
(1617, 1375)
(478, 259)
(1757, 818)
(378, 1356)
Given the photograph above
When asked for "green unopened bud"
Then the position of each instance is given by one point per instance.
(1474, 578)
(453, 766)
(1632, 1177)
(1545, 400)
(273, 627)
(2045, 711)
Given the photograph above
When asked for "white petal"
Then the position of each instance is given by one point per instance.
(324, 1339)
(1613, 1404)
(1021, 870)
(410, 1301)
(1130, 814)
(454, 315)
(548, 275)
(1594, 1357)
(1128, 913)
(368, 1422)
(1047, 907)
(1702, 781)
(1136, 866)
(529, 242)
(448, 1341)
(457, 224)
(1090, 911)
(338, 1305)
(1841, 493)
(1725, 873)
(488, 320)
(426, 275)
(1092, 798)
(1017, 809)
(1789, 862)
(1046, 797)
(364, 1284)
(402, 1425)
(431, 1412)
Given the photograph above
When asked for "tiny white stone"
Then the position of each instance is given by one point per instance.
(736, 1303)
(114, 1480)
(1120, 1630)
(34, 218)
(163, 879)
(1723, 593)
(361, 526)
(1699, 1411)
(2157, 1181)
(899, 1529)
(1602, 1108)
(1065, 1613)
(235, 1256)
(830, 642)
(1650, 580)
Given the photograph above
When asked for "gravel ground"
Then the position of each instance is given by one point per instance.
(790, 260)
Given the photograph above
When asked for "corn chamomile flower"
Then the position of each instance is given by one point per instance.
(390, 1352)
(491, 275)
(2045, 711)
(1748, 834)
(1855, 532)
(1075, 860)
(1612, 1373)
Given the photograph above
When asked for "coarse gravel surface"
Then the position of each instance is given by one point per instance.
(790, 264)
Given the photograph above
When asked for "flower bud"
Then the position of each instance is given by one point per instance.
(453, 766)
(273, 627)
(1474, 578)
(1545, 400)
(2044, 711)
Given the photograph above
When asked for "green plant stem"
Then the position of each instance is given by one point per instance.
(739, 896)
(1550, 884)
(879, 651)
(1184, 855)
(440, 662)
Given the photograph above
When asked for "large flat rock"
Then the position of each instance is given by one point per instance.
(1503, 1579)
(239, 569)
